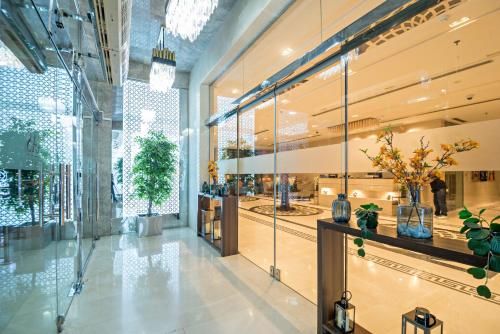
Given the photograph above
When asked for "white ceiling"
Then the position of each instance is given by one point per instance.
(430, 72)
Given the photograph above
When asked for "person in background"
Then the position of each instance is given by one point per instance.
(438, 188)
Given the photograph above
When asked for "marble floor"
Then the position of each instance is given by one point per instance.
(176, 283)
(35, 286)
(385, 284)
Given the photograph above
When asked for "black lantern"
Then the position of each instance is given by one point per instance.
(341, 209)
(420, 320)
(344, 313)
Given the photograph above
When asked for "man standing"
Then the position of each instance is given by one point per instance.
(438, 188)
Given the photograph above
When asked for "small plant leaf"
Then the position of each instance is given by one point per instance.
(464, 214)
(482, 211)
(497, 217)
(483, 291)
(358, 242)
(495, 227)
(361, 252)
(472, 220)
(464, 229)
(480, 247)
(472, 225)
(477, 273)
(478, 234)
(495, 263)
(366, 234)
(366, 206)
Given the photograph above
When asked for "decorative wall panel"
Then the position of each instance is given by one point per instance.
(145, 110)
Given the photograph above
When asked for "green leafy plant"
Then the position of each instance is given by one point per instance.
(154, 169)
(484, 240)
(24, 144)
(367, 218)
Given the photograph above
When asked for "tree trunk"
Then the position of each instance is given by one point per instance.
(150, 208)
(32, 210)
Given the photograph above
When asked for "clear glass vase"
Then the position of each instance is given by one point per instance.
(415, 219)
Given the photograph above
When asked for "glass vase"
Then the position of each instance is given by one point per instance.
(341, 209)
(415, 219)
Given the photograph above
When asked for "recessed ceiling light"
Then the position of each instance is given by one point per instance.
(285, 101)
(443, 91)
(286, 52)
(292, 113)
(265, 138)
(314, 126)
(418, 99)
(235, 91)
(458, 22)
(355, 115)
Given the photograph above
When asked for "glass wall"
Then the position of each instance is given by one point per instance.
(293, 158)
(43, 247)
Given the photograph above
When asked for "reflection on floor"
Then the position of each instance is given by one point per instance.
(28, 288)
(386, 283)
(176, 283)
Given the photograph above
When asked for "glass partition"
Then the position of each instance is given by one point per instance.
(433, 78)
(41, 253)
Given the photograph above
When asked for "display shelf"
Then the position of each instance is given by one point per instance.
(329, 328)
(331, 258)
(228, 242)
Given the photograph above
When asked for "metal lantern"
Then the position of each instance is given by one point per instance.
(420, 320)
(341, 209)
(344, 313)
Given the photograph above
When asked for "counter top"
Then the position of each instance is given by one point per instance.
(444, 248)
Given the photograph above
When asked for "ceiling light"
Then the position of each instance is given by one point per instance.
(355, 115)
(187, 18)
(286, 52)
(418, 99)
(285, 101)
(292, 113)
(458, 22)
(314, 126)
(162, 75)
(235, 91)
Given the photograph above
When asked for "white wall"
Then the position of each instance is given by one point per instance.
(328, 159)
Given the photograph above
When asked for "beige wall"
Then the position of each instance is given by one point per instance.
(481, 194)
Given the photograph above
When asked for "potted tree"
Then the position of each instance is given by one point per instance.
(153, 174)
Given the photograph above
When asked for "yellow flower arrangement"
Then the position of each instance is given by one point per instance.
(212, 170)
(417, 172)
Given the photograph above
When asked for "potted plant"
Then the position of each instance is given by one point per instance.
(367, 219)
(153, 174)
(415, 220)
(484, 240)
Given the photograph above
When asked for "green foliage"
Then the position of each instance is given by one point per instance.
(154, 169)
(367, 218)
(34, 157)
(483, 242)
(119, 170)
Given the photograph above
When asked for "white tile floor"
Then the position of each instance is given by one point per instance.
(176, 283)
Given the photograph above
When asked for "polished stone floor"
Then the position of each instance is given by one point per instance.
(385, 284)
(176, 283)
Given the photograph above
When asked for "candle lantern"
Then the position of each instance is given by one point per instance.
(344, 313)
(420, 320)
(341, 209)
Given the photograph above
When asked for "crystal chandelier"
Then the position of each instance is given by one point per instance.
(162, 74)
(186, 18)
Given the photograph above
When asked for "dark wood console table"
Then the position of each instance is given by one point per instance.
(331, 260)
(228, 243)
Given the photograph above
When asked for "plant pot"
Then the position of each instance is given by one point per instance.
(372, 220)
(149, 225)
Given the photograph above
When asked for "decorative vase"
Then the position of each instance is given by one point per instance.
(341, 209)
(415, 219)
